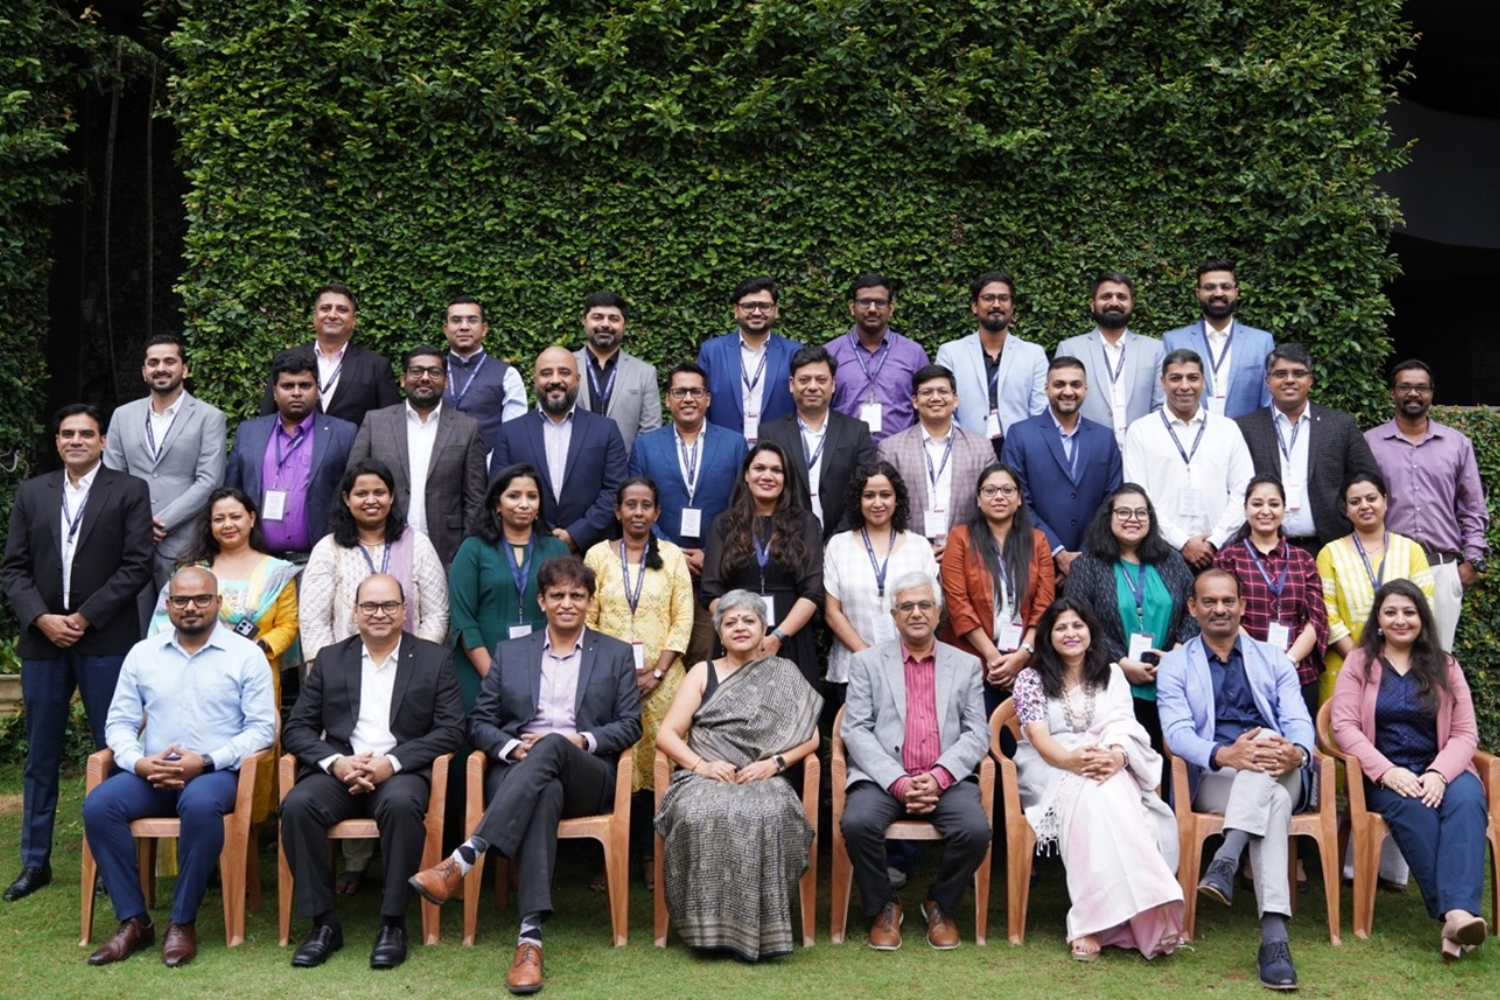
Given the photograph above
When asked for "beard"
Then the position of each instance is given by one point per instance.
(555, 406)
(994, 324)
(1220, 310)
(1112, 319)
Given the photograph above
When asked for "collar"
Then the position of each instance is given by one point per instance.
(1104, 341)
(170, 411)
(1199, 415)
(305, 426)
(85, 481)
(613, 361)
(433, 414)
(885, 340)
(929, 439)
(1217, 335)
(1279, 417)
(1391, 431)
(455, 358)
(547, 645)
(802, 425)
(1234, 651)
(1077, 426)
(318, 350)
(907, 656)
(366, 656)
(745, 345)
(558, 423)
(215, 639)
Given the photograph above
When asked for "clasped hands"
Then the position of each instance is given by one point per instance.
(1260, 749)
(921, 794)
(362, 772)
(62, 630)
(171, 768)
(1429, 786)
(528, 740)
(1097, 762)
(722, 770)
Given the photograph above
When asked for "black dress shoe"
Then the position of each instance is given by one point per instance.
(1276, 971)
(390, 948)
(320, 942)
(99, 889)
(29, 881)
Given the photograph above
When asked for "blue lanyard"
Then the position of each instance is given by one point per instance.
(1376, 578)
(640, 581)
(601, 396)
(879, 568)
(859, 355)
(323, 387)
(1137, 585)
(1280, 584)
(151, 433)
(519, 574)
(1114, 373)
(934, 476)
(760, 369)
(690, 461)
(74, 519)
(453, 390)
(1215, 363)
(762, 554)
(816, 453)
(385, 557)
(1187, 456)
(1287, 449)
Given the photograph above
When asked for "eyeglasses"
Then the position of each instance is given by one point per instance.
(1282, 374)
(872, 303)
(181, 601)
(751, 307)
(907, 607)
(692, 392)
(935, 392)
(1126, 514)
(1421, 389)
(990, 492)
(994, 299)
(373, 608)
(432, 373)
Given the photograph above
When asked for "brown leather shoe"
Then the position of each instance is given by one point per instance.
(885, 929)
(130, 937)
(942, 931)
(439, 883)
(525, 974)
(179, 945)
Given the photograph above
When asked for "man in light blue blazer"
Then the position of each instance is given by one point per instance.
(174, 442)
(694, 466)
(1067, 464)
(1234, 355)
(1232, 708)
(1000, 376)
(748, 367)
(616, 384)
(1122, 366)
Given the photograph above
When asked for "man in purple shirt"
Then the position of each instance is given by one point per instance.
(1436, 497)
(556, 710)
(290, 461)
(878, 362)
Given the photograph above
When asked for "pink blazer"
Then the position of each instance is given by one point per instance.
(1354, 720)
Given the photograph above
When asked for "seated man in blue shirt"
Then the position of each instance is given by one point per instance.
(205, 694)
(1232, 708)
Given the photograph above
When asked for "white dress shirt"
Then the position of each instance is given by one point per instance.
(377, 686)
(421, 435)
(74, 500)
(812, 448)
(330, 368)
(1218, 366)
(752, 385)
(557, 437)
(940, 493)
(1119, 389)
(161, 423)
(1203, 496)
(1292, 450)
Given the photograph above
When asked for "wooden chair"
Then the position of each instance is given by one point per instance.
(1367, 829)
(366, 829)
(808, 886)
(611, 829)
(902, 829)
(1319, 823)
(239, 868)
(1020, 838)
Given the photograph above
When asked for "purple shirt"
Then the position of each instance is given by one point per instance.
(293, 473)
(556, 696)
(1436, 496)
(883, 376)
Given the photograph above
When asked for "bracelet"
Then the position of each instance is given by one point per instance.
(1439, 774)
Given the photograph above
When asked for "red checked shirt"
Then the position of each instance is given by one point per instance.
(923, 744)
(1301, 600)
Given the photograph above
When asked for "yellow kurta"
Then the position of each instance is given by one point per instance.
(1349, 593)
(663, 619)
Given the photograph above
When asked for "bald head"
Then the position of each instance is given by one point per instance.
(556, 381)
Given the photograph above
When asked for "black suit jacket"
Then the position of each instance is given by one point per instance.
(112, 562)
(1335, 450)
(607, 704)
(365, 383)
(846, 446)
(427, 713)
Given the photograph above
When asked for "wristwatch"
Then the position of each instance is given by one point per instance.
(657, 673)
(780, 763)
(1030, 649)
(780, 635)
(208, 764)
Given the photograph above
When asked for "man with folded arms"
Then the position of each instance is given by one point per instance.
(553, 721)
(375, 712)
(205, 695)
(914, 732)
(1232, 708)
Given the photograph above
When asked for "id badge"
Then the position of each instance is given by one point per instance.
(1296, 495)
(871, 414)
(1278, 635)
(885, 628)
(692, 523)
(936, 522)
(273, 506)
(1188, 503)
(1008, 636)
(771, 619)
(752, 427)
(992, 424)
(518, 631)
(638, 651)
(1216, 404)
(1140, 643)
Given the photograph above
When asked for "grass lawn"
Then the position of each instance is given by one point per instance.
(40, 958)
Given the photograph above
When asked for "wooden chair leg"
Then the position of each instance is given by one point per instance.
(808, 893)
(1328, 855)
(145, 860)
(86, 908)
(982, 896)
(617, 871)
(1187, 875)
(473, 889)
(284, 890)
(840, 880)
(1017, 888)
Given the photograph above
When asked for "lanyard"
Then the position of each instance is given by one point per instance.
(1187, 456)
(640, 581)
(385, 557)
(762, 555)
(1376, 577)
(519, 574)
(73, 519)
(1137, 585)
(1287, 449)
(151, 435)
(1115, 372)
(690, 461)
(760, 369)
(602, 395)
(995, 379)
(1215, 363)
(281, 459)
(323, 387)
(1280, 584)
(884, 354)
(453, 389)
(934, 476)
(881, 567)
(814, 454)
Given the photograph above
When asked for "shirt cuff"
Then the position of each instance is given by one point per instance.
(590, 744)
(395, 764)
(505, 750)
(1213, 758)
(126, 760)
(898, 787)
(326, 764)
(944, 779)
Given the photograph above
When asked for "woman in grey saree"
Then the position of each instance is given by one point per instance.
(735, 842)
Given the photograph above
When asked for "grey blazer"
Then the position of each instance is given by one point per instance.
(971, 453)
(1142, 375)
(875, 713)
(189, 467)
(456, 476)
(635, 401)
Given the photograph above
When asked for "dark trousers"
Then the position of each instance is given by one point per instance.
(1443, 846)
(201, 806)
(959, 817)
(318, 801)
(555, 781)
(47, 687)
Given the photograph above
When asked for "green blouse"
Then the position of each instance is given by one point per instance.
(1156, 612)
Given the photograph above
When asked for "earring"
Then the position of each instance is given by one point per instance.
(1380, 632)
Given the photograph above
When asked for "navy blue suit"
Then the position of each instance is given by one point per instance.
(720, 357)
(332, 440)
(584, 506)
(1063, 502)
(721, 453)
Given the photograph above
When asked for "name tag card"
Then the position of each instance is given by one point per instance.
(752, 427)
(1296, 495)
(936, 522)
(518, 631)
(885, 628)
(273, 507)
(1140, 643)
(1216, 404)
(771, 619)
(1189, 503)
(638, 651)
(1008, 637)
(992, 425)
(872, 414)
(1279, 635)
(692, 523)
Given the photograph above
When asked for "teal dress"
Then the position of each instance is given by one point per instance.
(1156, 612)
(483, 603)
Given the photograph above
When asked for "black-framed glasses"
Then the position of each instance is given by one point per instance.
(751, 307)
(990, 492)
(432, 373)
(181, 601)
(1127, 514)
(687, 392)
(373, 608)
(1420, 389)
(872, 303)
(907, 607)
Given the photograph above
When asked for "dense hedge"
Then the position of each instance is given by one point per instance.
(529, 152)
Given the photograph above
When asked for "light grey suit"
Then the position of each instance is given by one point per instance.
(971, 453)
(635, 400)
(187, 468)
(1140, 372)
(456, 477)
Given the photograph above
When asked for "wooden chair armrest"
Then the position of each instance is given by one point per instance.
(624, 771)
(288, 774)
(1327, 778)
(661, 776)
(100, 761)
(1488, 766)
(437, 794)
(987, 784)
(474, 788)
(812, 781)
(249, 767)
(1182, 801)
